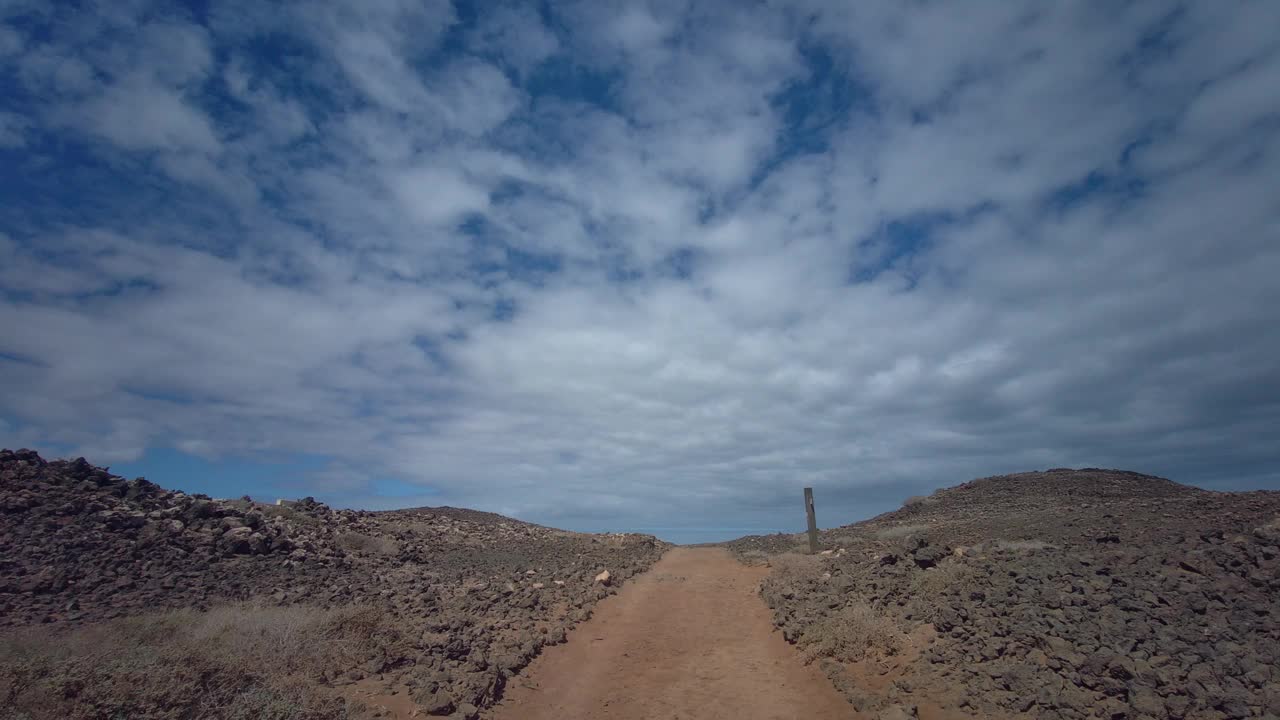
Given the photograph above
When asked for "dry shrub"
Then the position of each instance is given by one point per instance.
(789, 567)
(410, 527)
(1020, 545)
(900, 531)
(367, 544)
(851, 634)
(233, 662)
(753, 557)
(936, 582)
(919, 501)
(290, 514)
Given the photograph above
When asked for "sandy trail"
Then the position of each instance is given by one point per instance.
(690, 639)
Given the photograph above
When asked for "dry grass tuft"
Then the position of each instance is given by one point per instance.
(900, 531)
(367, 545)
(236, 661)
(852, 634)
(919, 501)
(288, 513)
(936, 582)
(1021, 545)
(789, 567)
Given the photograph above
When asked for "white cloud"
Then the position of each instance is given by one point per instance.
(436, 197)
(477, 96)
(136, 115)
(374, 43)
(13, 130)
(178, 53)
(649, 296)
(516, 33)
(279, 119)
(1231, 103)
(43, 69)
(10, 42)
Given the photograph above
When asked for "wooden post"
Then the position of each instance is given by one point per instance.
(813, 521)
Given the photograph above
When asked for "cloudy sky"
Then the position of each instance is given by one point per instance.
(640, 265)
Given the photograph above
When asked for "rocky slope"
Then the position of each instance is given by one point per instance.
(473, 596)
(1059, 594)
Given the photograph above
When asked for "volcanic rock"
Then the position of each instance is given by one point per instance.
(80, 545)
(1078, 593)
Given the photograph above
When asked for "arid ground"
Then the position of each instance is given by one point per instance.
(688, 639)
(1057, 594)
(120, 599)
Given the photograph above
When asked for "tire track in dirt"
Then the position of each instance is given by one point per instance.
(688, 639)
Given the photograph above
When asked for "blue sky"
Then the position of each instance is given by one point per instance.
(640, 265)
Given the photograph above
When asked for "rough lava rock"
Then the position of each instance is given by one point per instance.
(481, 593)
(1061, 594)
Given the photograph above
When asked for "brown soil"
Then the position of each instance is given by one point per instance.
(689, 639)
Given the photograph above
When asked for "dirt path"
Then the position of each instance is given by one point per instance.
(689, 639)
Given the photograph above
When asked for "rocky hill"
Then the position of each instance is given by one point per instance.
(466, 598)
(1058, 594)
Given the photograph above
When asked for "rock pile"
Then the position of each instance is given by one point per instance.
(1066, 594)
(479, 594)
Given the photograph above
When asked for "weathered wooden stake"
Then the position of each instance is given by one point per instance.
(813, 521)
